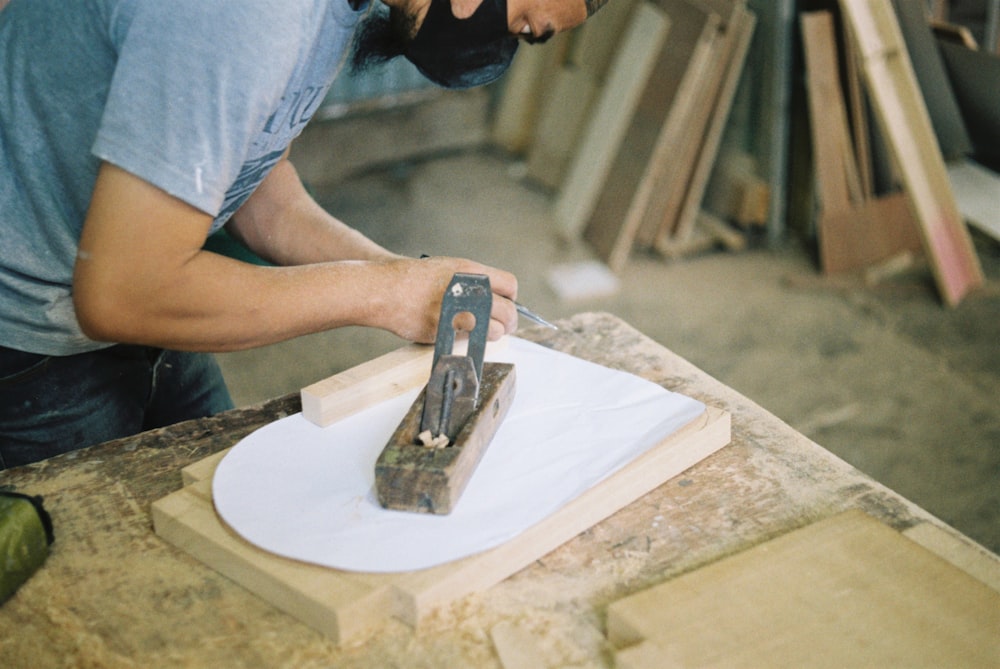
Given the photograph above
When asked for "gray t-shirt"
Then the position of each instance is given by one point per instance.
(198, 98)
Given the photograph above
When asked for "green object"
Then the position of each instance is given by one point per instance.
(25, 536)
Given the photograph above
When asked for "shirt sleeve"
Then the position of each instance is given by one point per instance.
(194, 84)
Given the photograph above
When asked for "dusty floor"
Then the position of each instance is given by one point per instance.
(884, 376)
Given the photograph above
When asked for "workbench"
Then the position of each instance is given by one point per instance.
(113, 594)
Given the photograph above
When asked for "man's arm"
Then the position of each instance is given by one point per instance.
(142, 277)
(283, 224)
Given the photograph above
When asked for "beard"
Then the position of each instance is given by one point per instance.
(383, 35)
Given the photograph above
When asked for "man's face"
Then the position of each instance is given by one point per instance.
(536, 20)
(462, 43)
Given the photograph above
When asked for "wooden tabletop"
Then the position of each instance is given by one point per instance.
(113, 594)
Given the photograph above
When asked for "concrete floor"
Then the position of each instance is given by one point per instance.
(884, 376)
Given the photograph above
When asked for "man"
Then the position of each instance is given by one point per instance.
(130, 130)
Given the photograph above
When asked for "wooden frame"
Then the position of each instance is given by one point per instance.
(348, 606)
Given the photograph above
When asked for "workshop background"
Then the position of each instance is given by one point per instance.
(556, 171)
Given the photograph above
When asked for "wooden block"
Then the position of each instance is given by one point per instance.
(610, 121)
(903, 117)
(350, 391)
(349, 606)
(735, 193)
(412, 477)
(844, 592)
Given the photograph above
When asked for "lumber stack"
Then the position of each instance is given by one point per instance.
(624, 120)
(865, 70)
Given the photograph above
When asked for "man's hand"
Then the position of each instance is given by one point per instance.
(421, 285)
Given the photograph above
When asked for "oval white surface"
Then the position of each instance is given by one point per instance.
(307, 493)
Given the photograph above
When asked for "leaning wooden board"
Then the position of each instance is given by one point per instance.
(847, 591)
(906, 126)
(348, 606)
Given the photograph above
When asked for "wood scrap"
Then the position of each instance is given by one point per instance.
(903, 117)
(516, 648)
(736, 193)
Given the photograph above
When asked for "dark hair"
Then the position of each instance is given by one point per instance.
(383, 35)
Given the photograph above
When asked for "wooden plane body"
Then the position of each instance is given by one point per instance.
(412, 477)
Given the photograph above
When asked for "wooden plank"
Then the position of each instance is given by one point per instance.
(523, 94)
(827, 114)
(348, 607)
(859, 114)
(354, 389)
(613, 113)
(560, 125)
(738, 36)
(905, 124)
(567, 109)
(684, 146)
(642, 156)
(853, 232)
(847, 591)
(928, 66)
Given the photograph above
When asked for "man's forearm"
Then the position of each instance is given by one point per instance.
(282, 223)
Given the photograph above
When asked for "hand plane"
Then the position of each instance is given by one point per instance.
(432, 454)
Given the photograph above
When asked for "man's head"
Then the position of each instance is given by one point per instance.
(462, 43)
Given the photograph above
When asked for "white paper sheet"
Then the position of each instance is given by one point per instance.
(307, 493)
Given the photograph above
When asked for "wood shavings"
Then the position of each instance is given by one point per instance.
(430, 441)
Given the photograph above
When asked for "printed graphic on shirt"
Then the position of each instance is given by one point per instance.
(284, 125)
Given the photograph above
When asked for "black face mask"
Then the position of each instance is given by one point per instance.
(462, 53)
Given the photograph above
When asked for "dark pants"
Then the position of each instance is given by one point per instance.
(50, 404)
